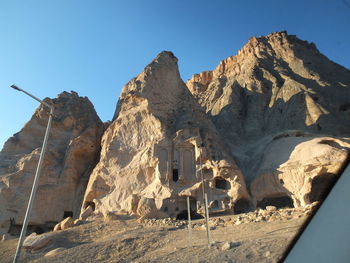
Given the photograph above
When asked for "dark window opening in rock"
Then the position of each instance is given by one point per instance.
(281, 181)
(344, 107)
(183, 215)
(279, 202)
(165, 209)
(39, 230)
(89, 203)
(214, 204)
(241, 206)
(67, 214)
(175, 175)
(221, 183)
(320, 186)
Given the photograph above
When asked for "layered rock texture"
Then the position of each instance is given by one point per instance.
(268, 126)
(72, 151)
(151, 154)
(280, 106)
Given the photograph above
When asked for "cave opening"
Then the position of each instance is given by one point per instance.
(175, 175)
(278, 201)
(242, 206)
(183, 215)
(67, 214)
(320, 186)
(221, 183)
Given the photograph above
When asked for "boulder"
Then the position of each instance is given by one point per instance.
(36, 242)
(67, 223)
(86, 213)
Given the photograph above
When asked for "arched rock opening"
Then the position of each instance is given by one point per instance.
(242, 205)
(221, 183)
(278, 201)
(320, 186)
(183, 215)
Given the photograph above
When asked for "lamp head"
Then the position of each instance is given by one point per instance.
(15, 87)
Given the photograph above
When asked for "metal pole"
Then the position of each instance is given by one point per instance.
(189, 222)
(36, 177)
(207, 219)
(204, 197)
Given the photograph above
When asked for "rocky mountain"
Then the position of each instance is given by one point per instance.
(72, 151)
(151, 153)
(268, 126)
(269, 102)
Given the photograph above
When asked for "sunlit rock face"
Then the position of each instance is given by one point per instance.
(72, 151)
(151, 153)
(276, 86)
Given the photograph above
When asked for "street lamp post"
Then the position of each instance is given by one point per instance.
(36, 177)
(205, 196)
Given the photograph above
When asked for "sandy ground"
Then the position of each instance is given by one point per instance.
(126, 240)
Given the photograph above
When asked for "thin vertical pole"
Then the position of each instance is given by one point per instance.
(189, 222)
(34, 189)
(207, 219)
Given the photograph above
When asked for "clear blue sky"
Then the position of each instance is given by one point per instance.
(94, 47)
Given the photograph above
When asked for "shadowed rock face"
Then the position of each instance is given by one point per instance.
(72, 152)
(151, 156)
(279, 86)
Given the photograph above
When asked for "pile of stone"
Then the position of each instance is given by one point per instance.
(164, 222)
(269, 214)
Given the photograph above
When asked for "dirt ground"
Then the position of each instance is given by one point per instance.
(126, 240)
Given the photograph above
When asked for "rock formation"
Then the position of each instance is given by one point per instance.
(268, 126)
(73, 149)
(279, 86)
(151, 153)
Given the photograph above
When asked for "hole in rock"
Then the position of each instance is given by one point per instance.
(67, 214)
(279, 202)
(175, 175)
(320, 186)
(183, 215)
(241, 206)
(221, 183)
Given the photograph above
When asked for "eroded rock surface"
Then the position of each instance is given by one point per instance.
(280, 86)
(72, 151)
(151, 153)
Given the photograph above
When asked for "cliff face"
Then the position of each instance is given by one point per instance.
(73, 149)
(269, 126)
(278, 86)
(151, 155)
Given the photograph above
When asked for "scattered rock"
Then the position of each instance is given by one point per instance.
(271, 208)
(36, 242)
(86, 213)
(57, 227)
(229, 245)
(67, 223)
(77, 222)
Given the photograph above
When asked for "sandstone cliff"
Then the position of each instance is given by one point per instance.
(73, 149)
(275, 87)
(151, 154)
(269, 126)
